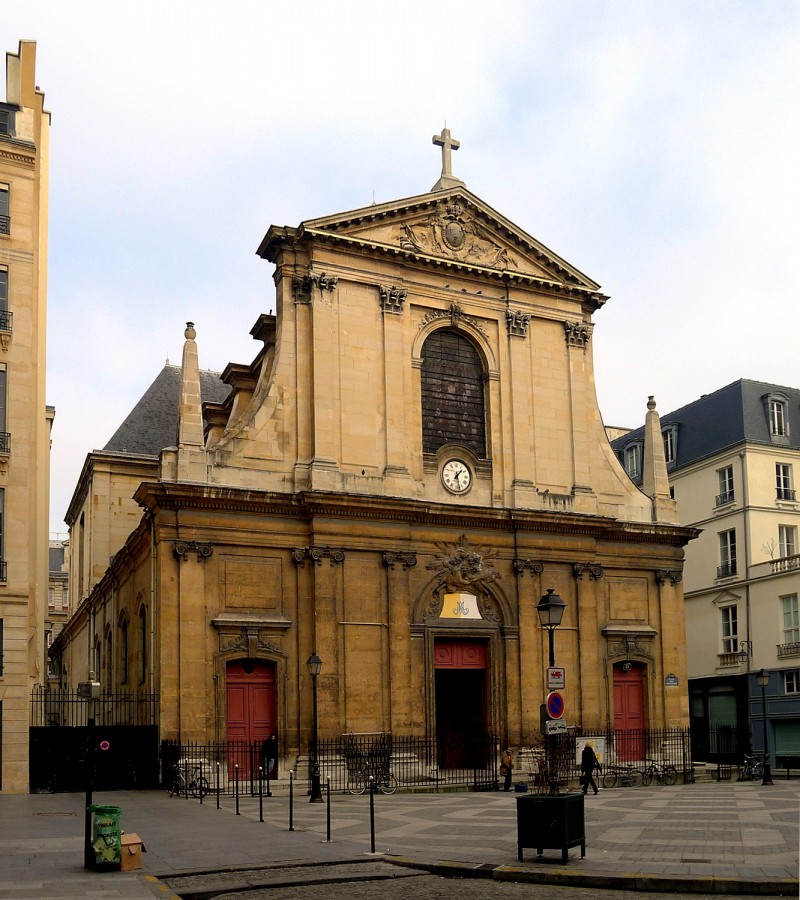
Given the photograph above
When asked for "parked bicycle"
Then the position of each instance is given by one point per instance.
(384, 780)
(188, 779)
(665, 774)
(751, 768)
(625, 776)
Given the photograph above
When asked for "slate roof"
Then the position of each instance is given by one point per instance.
(735, 414)
(152, 424)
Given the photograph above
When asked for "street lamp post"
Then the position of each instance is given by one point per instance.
(762, 680)
(551, 610)
(314, 668)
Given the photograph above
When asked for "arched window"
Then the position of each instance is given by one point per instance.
(453, 406)
(142, 644)
(123, 650)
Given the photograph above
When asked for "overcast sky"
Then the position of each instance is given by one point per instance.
(653, 145)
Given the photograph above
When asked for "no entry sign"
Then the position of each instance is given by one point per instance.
(555, 705)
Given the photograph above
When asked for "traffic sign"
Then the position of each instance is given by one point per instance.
(556, 726)
(556, 677)
(555, 705)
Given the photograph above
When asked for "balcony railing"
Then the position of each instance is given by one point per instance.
(730, 659)
(792, 649)
(785, 563)
(726, 570)
(786, 494)
(722, 499)
(5, 224)
(3, 570)
(5, 442)
(6, 319)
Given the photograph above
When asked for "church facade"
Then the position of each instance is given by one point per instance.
(412, 459)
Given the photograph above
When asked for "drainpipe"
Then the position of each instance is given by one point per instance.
(748, 623)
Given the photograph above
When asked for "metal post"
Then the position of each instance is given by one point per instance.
(551, 647)
(260, 794)
(217, 785)
(371, 814)
(316, 789)
(291, 800)
(236, 786)
(767, 779)
(87, 820)
(329, 810)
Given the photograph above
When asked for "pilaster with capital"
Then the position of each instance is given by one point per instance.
(531, 647)
(589, 595)
(675, 701)
(398, 565)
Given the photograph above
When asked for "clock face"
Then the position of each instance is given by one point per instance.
(456, 476)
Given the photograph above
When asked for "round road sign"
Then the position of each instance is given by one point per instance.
(555, 705)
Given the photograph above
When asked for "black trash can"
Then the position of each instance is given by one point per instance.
(551, 822)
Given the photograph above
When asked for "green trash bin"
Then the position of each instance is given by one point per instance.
(106, 836)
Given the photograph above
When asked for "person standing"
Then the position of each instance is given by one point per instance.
(588, 764)
(269, 755)
(506, 768)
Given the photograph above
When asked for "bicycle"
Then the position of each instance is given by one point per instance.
(751, 768)
(627, 776)
(194, 783)
(384, 781)
(666, 774)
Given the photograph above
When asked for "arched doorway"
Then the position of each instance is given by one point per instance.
(461, 675)
(250, 695)
(629, 711)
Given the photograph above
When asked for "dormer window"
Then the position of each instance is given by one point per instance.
(670, 436)
(776, 406)
(633, 460)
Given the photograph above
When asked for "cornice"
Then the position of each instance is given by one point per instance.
(25, 159)
(314, 504)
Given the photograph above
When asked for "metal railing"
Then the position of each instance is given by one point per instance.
(791, 649)
(785, 494)
(722, 499)
(5, 224)
(3, 570)
(416, 762)
(5, 442)
(56, 707)
(6, 319)
(726, 570)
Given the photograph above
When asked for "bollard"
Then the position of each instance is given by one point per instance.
(261, 794)
(291, 800)
(218, 785)
(200, 783)
(236, 786)
(372, 814)
(269, 792)
(329, 809)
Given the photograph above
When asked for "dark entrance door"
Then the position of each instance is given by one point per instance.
(629, 711)
(250, 688)
(461, 709)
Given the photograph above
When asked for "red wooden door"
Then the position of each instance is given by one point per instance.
(250, 689)
(629, 711)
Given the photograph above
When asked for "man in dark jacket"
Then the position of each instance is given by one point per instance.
(588, 764)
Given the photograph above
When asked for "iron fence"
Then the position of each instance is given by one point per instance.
(416, 762)
(58, 708)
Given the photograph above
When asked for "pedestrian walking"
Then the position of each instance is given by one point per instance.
(589, 763)
(269, 755)
(506, 768)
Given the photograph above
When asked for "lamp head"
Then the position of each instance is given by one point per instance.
(314, 665)
(550, 609)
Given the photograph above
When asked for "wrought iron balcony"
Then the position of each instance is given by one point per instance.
(5, 224)
(6, 319)
(722, 499)
(792, 649)
(3, 569)
(5, 442)
(786, 494)
(726, 570)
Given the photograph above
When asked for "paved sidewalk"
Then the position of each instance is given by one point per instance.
(700, 837)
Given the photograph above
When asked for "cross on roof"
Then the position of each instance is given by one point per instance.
(447, 144)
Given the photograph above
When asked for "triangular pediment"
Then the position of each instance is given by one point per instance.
(453, 226)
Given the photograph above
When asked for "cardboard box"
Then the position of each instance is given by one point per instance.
(131, 857)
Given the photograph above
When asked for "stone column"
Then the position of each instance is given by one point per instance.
(193, 654)
(398, 566)
(587, 576)
(532, 662)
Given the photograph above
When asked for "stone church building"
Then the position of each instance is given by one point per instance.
(413, 457)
